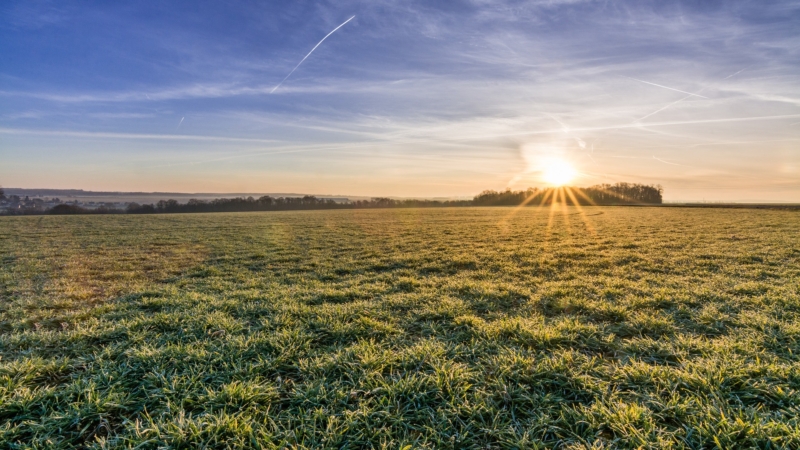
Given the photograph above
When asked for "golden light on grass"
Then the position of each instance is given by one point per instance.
(558, 172)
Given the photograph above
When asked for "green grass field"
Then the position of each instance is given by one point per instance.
(401, 328)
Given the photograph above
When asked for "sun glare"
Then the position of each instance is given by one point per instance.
(558, 172)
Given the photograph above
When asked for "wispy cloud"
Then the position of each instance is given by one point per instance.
(420, 85)
(103, 135)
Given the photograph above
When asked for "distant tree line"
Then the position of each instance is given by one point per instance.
(267, 203)
(603, 194)
(66, 208)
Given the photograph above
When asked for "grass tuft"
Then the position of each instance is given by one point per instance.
(402, 328)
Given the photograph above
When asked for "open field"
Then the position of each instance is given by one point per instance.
(402, 328)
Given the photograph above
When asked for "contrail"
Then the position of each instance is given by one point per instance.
(737, 73)
(666, 162)
(589, 154)
(309, 53)
(665, 107)
(665, 87)
(690, 95)
(179, 123)
(563, 125)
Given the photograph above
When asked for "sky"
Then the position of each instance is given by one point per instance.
(408, 99)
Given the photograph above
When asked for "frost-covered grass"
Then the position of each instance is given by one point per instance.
(433, 328)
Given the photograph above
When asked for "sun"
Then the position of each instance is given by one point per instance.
(558, 172)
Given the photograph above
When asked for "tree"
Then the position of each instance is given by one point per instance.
(2, 193)
(167, 205)
(68, 209)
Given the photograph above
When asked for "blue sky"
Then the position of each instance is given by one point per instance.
(407, 99)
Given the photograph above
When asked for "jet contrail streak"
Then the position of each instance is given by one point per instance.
(179, 123)
(666, 162)
(309, 54)
(662, 86)
(563, 125)
(684, 98)
(734, 74)
(665, 107)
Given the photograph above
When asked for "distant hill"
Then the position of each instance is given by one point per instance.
(148, 197)
(80, 194)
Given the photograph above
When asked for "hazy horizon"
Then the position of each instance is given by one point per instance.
(403, 99)
(156, 195)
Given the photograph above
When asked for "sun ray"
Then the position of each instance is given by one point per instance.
(551, 193)
(565, 212)
(553, 206)
(619, 196)
(585, 197)
(516, 209)
(582, 213)
(559, 200)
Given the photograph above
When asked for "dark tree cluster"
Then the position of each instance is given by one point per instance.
(267, 203)
(625, 193)
(66, 208)
(238, 204)
(506, 198)
(384, 202)
(602, 194)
